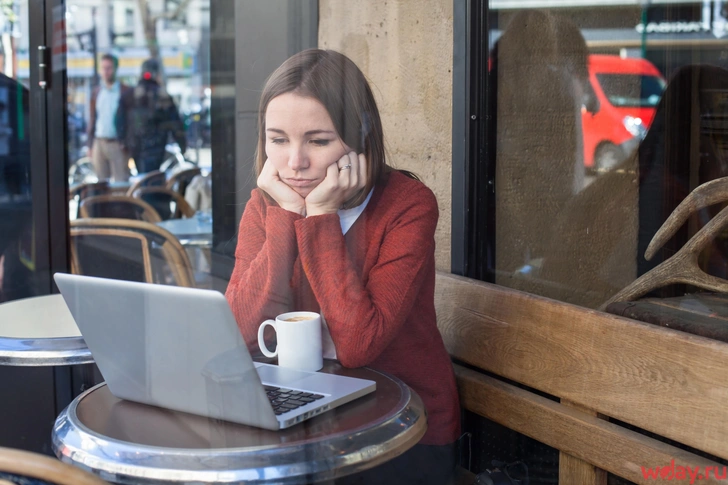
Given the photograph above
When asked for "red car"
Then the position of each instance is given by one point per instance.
(628, 91)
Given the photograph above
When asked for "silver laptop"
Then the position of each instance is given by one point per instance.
(180, 348)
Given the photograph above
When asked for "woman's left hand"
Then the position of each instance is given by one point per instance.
(343, 179)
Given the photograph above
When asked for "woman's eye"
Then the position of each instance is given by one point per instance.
(321, 143)
(278, 141)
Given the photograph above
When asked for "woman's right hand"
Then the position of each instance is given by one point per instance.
(270, 182)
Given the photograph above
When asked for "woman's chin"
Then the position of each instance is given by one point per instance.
(303, 187)
(303, 192)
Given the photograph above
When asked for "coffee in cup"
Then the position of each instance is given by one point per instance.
(299, 318)
(299, 340)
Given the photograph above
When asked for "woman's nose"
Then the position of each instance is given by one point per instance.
(297, 159)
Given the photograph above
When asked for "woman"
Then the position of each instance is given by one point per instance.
(332, 229)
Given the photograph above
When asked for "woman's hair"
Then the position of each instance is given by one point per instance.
(336, 82)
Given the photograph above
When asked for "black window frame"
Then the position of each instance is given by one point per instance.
(473, 170)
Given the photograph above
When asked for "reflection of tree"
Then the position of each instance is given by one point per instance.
(7, 8)
(149, 21)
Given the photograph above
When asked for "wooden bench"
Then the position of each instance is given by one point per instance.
(600, 366)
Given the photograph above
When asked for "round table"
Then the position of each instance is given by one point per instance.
(130, 443)
(40, 331)
(194, 231)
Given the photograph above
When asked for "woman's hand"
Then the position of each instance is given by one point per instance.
(287, 198)
(343, 179)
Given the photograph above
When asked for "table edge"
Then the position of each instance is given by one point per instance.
(24, 352)
(272, 463)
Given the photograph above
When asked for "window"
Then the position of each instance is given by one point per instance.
(589, 123)
(581, 98)
(129, 18)
(630, 90)
(209, 77)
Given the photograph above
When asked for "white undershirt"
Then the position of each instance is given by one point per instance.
(348, 217)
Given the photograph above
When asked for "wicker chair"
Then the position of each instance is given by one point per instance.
(26, 468)
(82, 191)
(168, 203)
(155, 178)
(117, 206)
(128, 250)
(180, 180)
(89, 189)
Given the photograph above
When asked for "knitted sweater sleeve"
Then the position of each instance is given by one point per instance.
(364, 317)
(259, 287)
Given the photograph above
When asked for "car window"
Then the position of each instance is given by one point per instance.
(631, 90)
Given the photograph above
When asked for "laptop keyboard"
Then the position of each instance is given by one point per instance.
(284, 400)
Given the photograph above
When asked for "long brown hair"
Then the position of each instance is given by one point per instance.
(336, 82)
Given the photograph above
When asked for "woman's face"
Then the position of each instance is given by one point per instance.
(301, 141)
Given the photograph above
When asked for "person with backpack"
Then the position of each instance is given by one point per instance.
(146, 118)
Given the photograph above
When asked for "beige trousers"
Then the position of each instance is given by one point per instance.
(109, 160)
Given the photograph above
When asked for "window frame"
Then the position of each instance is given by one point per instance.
(473, 171)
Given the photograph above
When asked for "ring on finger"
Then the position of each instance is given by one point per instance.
(345, 167)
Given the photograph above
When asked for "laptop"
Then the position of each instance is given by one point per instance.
(180, 349)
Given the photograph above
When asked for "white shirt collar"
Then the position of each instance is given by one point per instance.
(114, 87)
(348, 217)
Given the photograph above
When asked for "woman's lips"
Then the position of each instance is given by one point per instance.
(300, 182)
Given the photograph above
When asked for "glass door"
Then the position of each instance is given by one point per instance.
(28, 255)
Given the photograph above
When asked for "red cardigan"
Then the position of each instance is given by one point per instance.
(375, 287)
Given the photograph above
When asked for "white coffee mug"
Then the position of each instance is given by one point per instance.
(299, 340)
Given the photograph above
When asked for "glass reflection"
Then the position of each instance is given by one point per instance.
(17, 238)
(139, 138)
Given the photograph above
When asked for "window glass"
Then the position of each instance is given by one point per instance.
(321, 144)
(630, 90)
(139, 148)
(23, 270)
(603, 118)
(591, 140)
